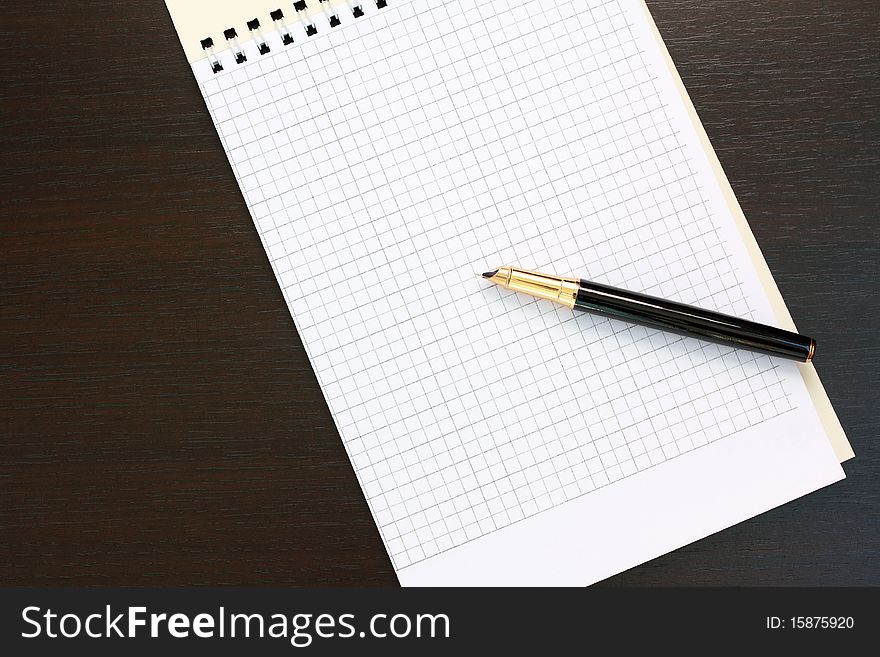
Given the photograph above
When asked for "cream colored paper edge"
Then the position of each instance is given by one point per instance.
(842, 449)
(197, 19)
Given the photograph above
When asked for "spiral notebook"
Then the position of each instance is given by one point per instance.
(389, 151)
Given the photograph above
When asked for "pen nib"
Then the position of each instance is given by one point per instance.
(489, 274)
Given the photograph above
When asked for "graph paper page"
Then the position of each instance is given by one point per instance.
(499, 439)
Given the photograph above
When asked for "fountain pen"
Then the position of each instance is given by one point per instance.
(654, 312)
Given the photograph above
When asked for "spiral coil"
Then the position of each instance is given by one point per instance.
(304, 17)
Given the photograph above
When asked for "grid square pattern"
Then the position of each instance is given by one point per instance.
(407, 150)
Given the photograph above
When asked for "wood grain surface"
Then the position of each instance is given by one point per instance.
(159, 420)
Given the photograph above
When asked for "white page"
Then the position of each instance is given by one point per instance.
(499, 439)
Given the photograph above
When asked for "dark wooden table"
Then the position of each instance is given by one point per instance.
(159, 420)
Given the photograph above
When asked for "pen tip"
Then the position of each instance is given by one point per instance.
(489, 274)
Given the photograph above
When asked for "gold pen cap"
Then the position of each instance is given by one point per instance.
(543, 286)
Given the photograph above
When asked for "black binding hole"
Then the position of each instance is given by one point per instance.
(264, 48)
(254, 24)
(240, 58)
(207, 43)
(358, 12)
(334, 21)
(276, 15)
(286, 39)
(230, 33)
(311, 30)
(381, 3)
(216, 67)
(300, 5)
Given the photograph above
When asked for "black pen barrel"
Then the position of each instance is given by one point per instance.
(691, 321)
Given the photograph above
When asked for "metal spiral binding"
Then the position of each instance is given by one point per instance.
(208, 46)
(232, 36)
(306, 18)
(254, 26)
(333, 19)
(277, 16)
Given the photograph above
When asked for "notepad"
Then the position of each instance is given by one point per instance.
(388, 152)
